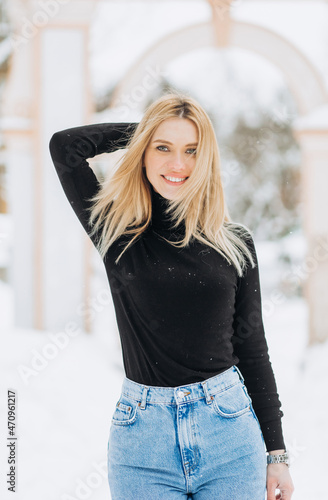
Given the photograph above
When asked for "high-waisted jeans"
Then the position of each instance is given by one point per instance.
(201, 441)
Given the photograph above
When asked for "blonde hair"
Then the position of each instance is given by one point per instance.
(123, 206)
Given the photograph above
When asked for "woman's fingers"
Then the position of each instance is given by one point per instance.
(271, 489)
(278, 477)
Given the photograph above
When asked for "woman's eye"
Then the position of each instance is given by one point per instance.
(189, 151)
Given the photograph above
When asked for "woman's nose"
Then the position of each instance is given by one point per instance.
(177, 162)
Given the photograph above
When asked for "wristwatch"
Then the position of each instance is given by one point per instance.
(278, 459)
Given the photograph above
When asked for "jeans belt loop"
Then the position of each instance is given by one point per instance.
(143, 399)
(209, 398)
(239, 373)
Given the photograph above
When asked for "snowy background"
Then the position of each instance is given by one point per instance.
(67, 384)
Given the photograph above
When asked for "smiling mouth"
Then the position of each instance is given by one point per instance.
(174, 180)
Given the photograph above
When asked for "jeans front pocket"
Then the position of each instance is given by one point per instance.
(232, 401)
(125, 412)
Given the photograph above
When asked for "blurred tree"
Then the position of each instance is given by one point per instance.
(261, 172)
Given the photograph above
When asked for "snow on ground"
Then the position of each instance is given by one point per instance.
(66, 391)
(67, 387)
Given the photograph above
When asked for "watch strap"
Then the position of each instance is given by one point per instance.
(278, 459)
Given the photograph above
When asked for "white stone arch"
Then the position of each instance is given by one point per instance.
(311, 130)
(301, 77)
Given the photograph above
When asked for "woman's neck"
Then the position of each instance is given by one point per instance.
(161, 222)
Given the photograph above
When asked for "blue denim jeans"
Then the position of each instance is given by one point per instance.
(201, 441)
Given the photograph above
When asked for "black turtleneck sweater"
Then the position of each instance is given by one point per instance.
(183, 315)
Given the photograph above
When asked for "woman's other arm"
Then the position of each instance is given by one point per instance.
(69, 150)
(250, 346)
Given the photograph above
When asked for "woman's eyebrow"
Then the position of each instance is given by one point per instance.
(168, 142)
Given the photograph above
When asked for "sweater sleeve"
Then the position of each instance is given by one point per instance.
(69, 150)
(250, 347)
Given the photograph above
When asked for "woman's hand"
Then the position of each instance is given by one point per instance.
(278, 477)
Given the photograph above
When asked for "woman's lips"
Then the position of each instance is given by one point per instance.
(175, 182)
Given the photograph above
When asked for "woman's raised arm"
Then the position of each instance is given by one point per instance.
(69, 150)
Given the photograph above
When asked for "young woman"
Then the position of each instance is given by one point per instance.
(199, 414)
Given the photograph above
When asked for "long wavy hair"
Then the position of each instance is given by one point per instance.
(122, 205)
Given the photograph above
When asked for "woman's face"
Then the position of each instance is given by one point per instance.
(171, 155)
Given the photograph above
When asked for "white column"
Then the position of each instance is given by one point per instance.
(49, 89)
(19, 162)
(63, 98)
(312, 134)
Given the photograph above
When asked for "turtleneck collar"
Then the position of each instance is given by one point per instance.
(161, 223)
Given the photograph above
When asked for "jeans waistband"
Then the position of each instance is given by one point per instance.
(183, 393)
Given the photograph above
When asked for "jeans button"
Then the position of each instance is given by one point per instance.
(180, 394)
